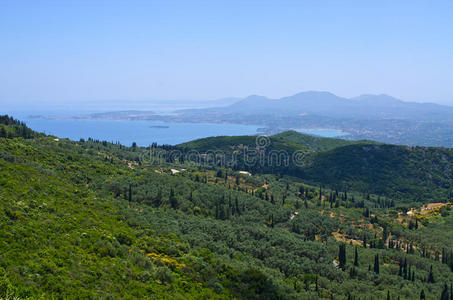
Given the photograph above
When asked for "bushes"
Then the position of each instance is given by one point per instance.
(68, 228)
(164, 275)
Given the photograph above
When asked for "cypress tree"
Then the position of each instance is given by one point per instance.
(405, 269)
(173, 200)
(376, 264)
(430, 278)
(422, 295)
(3, 132)
(352, 272)
(356, 257)
(444, 295)
(222, 213)
(451, 291)
(342, 255)
(158, 199)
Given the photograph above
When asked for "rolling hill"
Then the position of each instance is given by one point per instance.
(402, 172)
(92, 219)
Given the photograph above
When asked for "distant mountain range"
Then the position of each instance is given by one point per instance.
(328, 104)
(376, 117)
(380, 118)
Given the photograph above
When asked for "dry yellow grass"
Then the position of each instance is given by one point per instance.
(341, 237)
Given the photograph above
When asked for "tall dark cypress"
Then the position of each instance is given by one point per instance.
(158, 199)
(451, 291)
(356, 257)
(430, 278)
(405, 269)
(444, 295)
(376, 264)
(3, 132)
(342, 255)
(173, 200)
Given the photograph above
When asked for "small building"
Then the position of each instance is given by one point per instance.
(245, 173)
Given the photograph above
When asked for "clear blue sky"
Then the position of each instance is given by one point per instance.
(66, 51)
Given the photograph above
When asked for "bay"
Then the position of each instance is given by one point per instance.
(142, 132)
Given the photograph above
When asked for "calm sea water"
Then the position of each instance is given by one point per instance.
(324, 132)
(143, 133)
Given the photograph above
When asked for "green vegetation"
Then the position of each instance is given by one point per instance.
(316, 143)
(407, 174)
(91, 219)
(10, 128)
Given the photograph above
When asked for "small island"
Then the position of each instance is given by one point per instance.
(159, 126)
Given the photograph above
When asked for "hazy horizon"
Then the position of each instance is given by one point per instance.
(158, 105)
(59, 52)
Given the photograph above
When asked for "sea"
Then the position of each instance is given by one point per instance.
(142, 132)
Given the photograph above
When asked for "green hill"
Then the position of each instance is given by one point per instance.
(408, 173)
(316, 143)
(91, 219)
(403, 173)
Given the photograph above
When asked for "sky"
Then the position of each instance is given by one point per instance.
(57, 52)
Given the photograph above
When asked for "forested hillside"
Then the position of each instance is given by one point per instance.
(91, 219)
(317, 143)
(407, 174)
